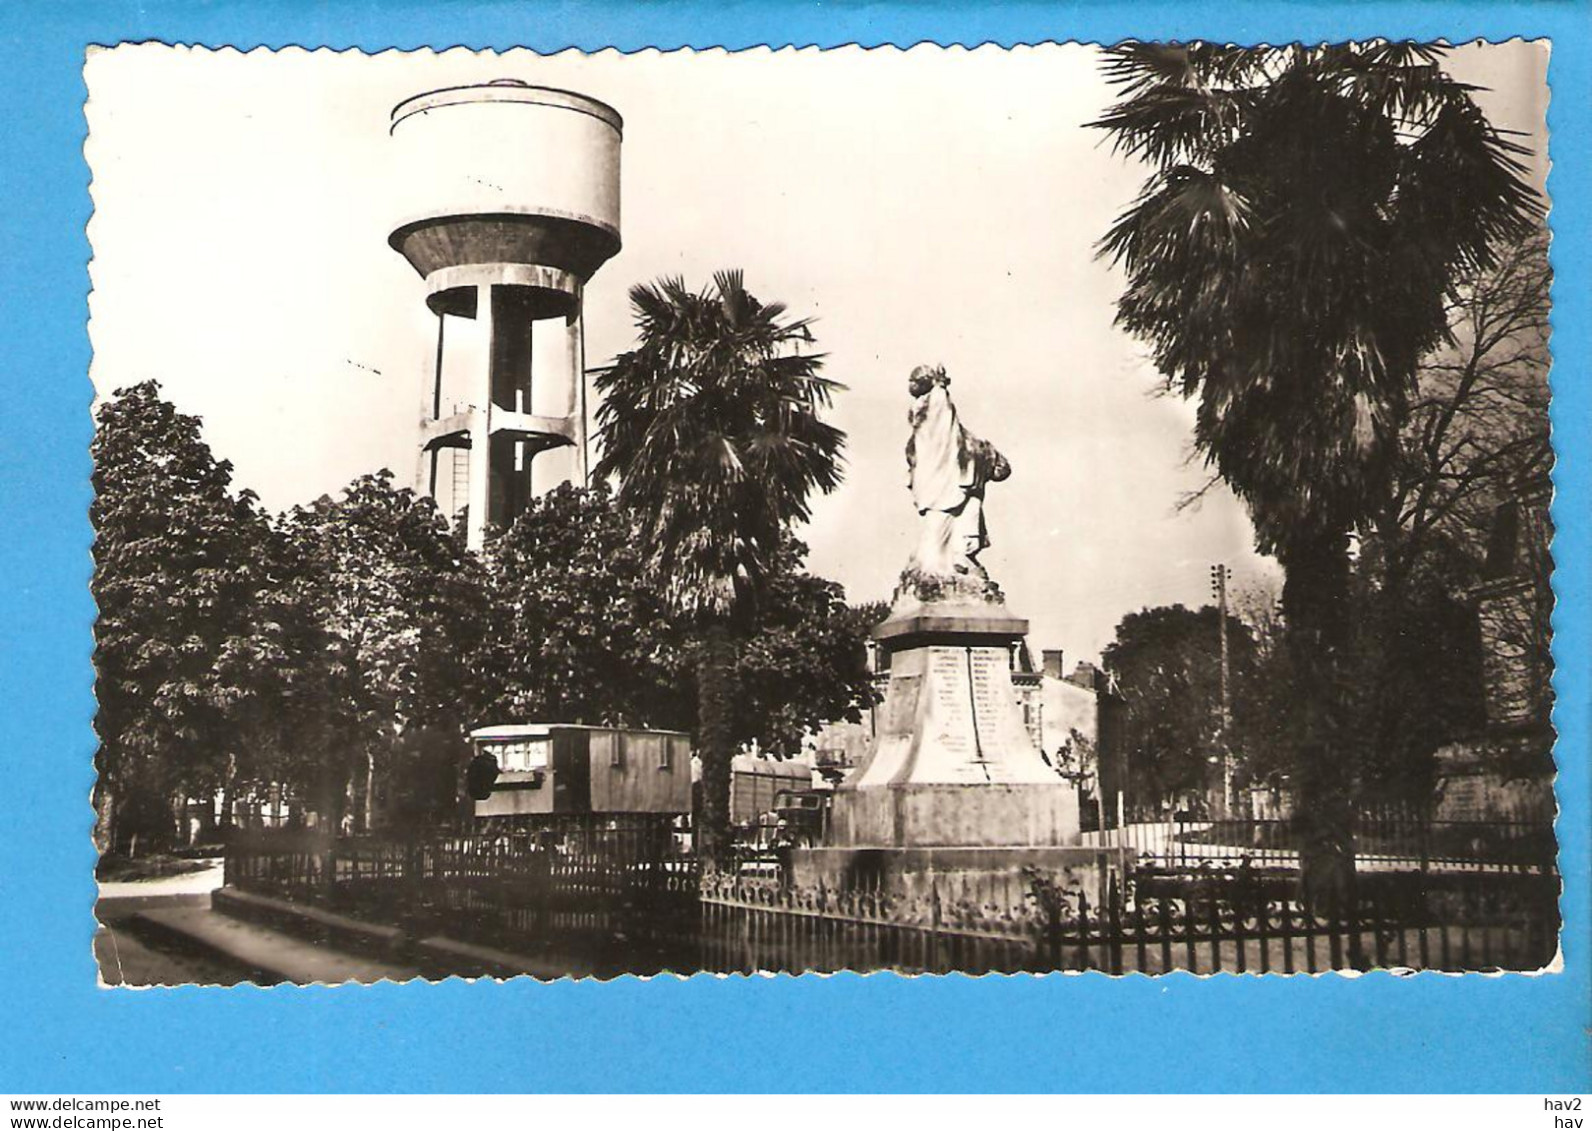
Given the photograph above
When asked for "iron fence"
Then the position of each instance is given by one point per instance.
(1386, 839)
(602, 895)
(757, 926)
(609, 897)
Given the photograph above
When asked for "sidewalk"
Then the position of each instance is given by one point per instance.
(125, 960)
(164, 933)
(263, 955)
(181, 938)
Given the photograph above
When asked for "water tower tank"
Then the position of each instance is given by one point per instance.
(510, 203)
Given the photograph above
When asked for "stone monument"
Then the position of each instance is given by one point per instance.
(952, 782)
(952, 763)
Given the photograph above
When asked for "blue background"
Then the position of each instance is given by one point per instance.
(58, 1032)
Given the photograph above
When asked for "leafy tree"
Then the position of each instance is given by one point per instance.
(257, 678)
(398, 608)
(1478, 424)
(286, 718)
(804, 660)
(1166, 663)
(1308, 212)
(1476, 438)
(712, 426)
(179, 579)
(581, 631)
(1410, 682)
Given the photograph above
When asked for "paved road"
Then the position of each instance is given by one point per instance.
(189, 883)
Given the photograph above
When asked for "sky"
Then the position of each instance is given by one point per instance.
(929, 205)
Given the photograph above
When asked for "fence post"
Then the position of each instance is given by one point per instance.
(1379, 923)
(1356, 942)
(1140, 951)
(1214, 919)
(1113, 926)
(1285, 923)
(1083, 932)
(413, 856)
(329, 869)
(1240, 936)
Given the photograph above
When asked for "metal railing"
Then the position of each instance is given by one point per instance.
(1386, 839)
(612, 894)
(754, 926)
(612, 897)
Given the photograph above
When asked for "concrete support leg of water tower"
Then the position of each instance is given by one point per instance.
(480, 489)
(575, 333)
(430, 410)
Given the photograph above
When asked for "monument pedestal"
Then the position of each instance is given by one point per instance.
(954, 797)
(976, 876)
(952, 765)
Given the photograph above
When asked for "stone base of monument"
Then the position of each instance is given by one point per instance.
(927, 815)
(950, 714)
(953, 790)
(994, 876)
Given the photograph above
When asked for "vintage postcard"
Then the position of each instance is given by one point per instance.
(1059, 508)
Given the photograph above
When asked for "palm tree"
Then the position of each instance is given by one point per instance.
(1307, 213)
(711, 425)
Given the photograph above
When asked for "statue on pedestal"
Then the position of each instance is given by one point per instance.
(948, 469)
(952, 782)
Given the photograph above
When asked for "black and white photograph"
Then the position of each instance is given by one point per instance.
(1048, 509)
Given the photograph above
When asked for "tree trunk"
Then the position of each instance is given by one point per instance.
(332, 792)
(180, 826)
(207, 816)
(104, 817)
(1316, 603)
(229, 798)
(716, 744)
(369, 812)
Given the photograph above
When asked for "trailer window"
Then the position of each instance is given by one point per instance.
(521, 755)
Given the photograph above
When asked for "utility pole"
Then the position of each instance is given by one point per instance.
(1219, 576)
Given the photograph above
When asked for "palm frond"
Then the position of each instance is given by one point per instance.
(711, 426)
(1288, 259)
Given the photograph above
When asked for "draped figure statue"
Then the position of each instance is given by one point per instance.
(947, 470)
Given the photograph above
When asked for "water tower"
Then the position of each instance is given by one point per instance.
(511, 203)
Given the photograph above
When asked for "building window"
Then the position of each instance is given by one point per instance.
(617, 750)
(665, 753)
